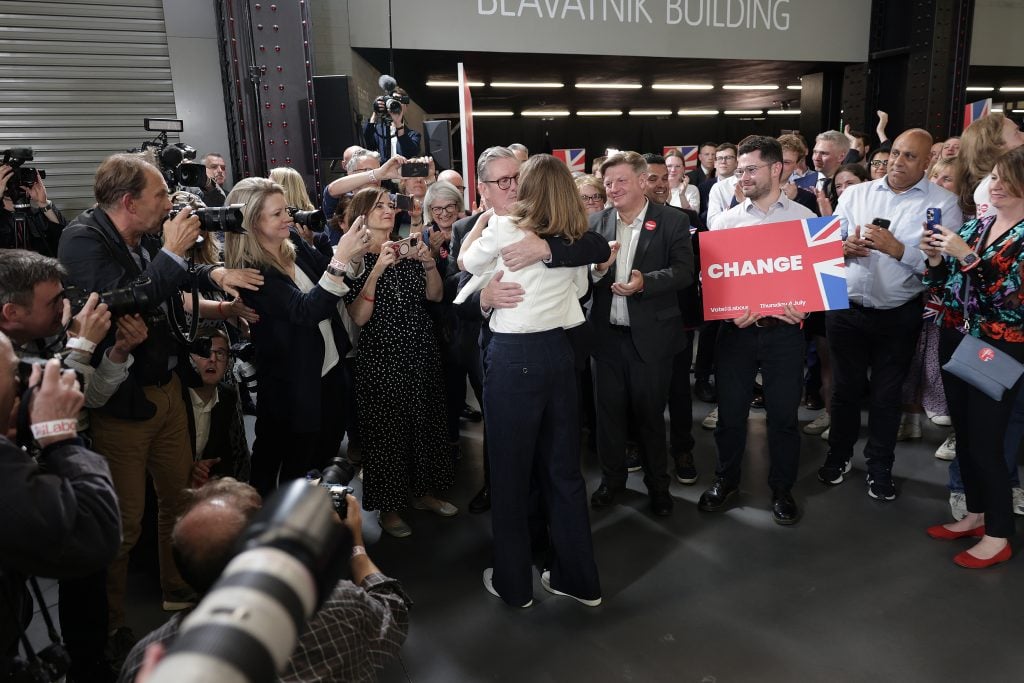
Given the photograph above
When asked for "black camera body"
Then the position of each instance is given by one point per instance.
(50, 666)
(215, 218)
(175, 160)
(313, 220)
(127, 300)
(23, 176)
(335, 478)
(389, 104)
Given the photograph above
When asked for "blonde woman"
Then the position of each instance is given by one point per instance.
(300, 338)
(296, 196)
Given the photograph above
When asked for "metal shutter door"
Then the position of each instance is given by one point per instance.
(76, 79)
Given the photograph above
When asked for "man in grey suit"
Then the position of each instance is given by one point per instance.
(638, 326)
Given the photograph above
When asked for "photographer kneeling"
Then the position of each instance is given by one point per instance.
(143, 427)
(60, 513)
(361, 624)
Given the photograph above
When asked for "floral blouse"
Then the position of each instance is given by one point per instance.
(994, 307)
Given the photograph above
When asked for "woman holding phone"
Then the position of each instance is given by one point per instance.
(399, 389)
(977, 272)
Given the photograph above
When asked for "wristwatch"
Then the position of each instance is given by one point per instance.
(969, 260)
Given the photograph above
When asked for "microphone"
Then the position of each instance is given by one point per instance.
(387, 83)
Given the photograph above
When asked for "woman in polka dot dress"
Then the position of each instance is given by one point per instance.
(399, 388)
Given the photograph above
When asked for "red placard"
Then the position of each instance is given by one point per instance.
(762, 268)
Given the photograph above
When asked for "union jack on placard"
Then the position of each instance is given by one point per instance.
(831, 274)
(689, 153)
(575, 159)
(976, 110)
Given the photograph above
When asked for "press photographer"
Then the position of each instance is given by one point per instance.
(60, 512)
(216, 175)
(28, 220)
(386, 131)
(359, 626)
(143, 427)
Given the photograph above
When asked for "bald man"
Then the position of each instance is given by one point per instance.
(878, 333)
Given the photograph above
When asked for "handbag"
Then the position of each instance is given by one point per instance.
(979, 363)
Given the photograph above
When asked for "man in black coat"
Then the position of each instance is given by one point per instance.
(638, 326)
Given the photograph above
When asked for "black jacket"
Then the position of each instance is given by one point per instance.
(60, 520)
(98, 260)
(41, 235)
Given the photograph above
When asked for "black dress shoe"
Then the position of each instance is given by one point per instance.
(784, 508)
(661, 503)
(704, 391)
(604, 495)
(715, 498)
(481, 501)
(814, 402)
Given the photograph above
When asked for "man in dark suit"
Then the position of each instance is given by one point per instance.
(637, 326)
(705, 164)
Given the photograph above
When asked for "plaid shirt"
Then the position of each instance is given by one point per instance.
(353, 634)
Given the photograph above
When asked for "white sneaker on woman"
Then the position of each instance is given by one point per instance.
(818, 424)
(947, 451)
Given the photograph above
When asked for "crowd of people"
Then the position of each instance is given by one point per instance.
(565, 301)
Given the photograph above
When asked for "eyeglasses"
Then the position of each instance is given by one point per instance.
(725, 158)
(878, 163)
(750, 170)
(218, 354)
(447, 208)
(588, 198)
(504, 183)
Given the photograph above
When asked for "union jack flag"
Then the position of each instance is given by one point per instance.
(976, 110)
(575, 159)
(932, 307)
(689, 153)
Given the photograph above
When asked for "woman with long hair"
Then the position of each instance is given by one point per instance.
(984, 141)
(531, 404)
(297, 197)
(977, 272)
(299, 340)
(399, 389)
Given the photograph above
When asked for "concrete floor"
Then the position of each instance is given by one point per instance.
(856, 591)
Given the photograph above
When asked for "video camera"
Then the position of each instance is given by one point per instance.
(292, 555)
(174, 160)
(23, 176)
(388, 104)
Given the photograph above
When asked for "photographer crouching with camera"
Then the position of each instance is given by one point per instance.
(361, 624)
(143, 427)
(60, 511)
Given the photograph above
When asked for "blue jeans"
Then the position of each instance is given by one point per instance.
(1011, 446)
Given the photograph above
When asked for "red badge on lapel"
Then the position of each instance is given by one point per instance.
(650, 225)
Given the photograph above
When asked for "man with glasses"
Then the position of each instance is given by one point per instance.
(638, 327)
(719, 193)
(219, 447)
(773, 344)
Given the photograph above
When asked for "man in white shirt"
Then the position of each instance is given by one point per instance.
(721, 194)
(637, 326)
(775, 344)
(878, 333)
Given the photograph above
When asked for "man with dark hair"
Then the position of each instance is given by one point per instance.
(42, 225)
(705, 163)
(361, 625)
(638, 326)
(216, 174)
(774, 344)
(143, 427)
(392, 138)
(718, 191)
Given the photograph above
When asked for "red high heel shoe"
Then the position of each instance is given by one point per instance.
(941, 533)
(965, 559)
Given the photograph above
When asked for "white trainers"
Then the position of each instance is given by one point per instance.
(1018, 501)
(940, 420)
(947, 451)
(958, 505)
(489, 585)
(818, 424)
(824, 434)
(545, 580)
(711, 421)
(910, 427)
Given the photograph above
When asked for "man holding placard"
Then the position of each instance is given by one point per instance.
(772, 342)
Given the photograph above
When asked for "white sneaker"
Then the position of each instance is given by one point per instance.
(958, 505)
(819, 424)
(947, 451)
(489, 585)
(545, 580)
(910, 427)
(711, 421)
(824, 434)
(940, 420)
(1018, 501)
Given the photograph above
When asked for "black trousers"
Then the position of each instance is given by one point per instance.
(680, 402)
(280, 453)
(882, 341)
(779, 353)
(704, 363)
(980, 424)
(532, 416)
(626, 386)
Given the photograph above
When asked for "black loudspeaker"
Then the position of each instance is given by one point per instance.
(437, 140)
(336, 118)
